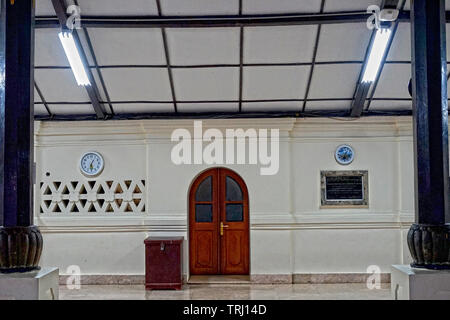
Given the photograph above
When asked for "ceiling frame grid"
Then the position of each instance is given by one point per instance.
(241, 21)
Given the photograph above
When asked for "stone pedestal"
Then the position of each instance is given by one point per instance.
(409, 283)
(35, 285)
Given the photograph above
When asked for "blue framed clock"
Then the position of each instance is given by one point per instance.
(92, 164)
(344, 154)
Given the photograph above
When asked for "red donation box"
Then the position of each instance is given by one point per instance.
(163, 263)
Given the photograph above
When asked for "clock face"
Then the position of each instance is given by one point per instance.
(344, 154)
(91, 164)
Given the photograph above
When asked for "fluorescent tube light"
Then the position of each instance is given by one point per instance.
(74, 58)
(376, 54)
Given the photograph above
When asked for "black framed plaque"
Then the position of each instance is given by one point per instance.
(344, 188)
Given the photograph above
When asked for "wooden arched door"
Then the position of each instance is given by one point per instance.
(218, 224)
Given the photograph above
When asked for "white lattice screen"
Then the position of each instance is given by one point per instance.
(124, 196)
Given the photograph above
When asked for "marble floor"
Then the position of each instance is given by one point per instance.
(356, 291)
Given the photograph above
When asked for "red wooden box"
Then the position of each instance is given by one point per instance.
(163, 263)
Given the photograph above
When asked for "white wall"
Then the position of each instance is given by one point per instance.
(289, 233)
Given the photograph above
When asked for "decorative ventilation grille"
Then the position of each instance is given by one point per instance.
(93, 196)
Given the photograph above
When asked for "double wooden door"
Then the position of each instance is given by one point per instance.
(219, 224)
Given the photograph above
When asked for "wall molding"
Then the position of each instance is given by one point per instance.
(361, 127)
(148, 132)
(177, 223)
(296, 278)
(143, 127)
(182, 229)
(327, 278)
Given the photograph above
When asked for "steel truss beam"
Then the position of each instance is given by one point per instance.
(362, 88)
(221, 115)
(92, 90)
(215, 21)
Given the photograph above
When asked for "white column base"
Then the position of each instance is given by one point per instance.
(409, 283)
(35, 285)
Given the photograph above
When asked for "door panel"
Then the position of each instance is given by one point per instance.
(233, 201)
(219, 224)
(205, 249)
(203, 224)
(235, 252)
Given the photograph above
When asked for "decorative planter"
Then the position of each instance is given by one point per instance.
(20, 249)
(430, 246)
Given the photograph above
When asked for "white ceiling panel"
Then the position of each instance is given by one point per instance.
(328, 105)
(279, 44)
(280, 6)
(203, 46)
(401, 45)
(206, 84)
(39, 110)
(349, 5)
(334, 81)
(281, 82)
(71, 109)
(119, 46)
(137, 84)
(142, 108)
(48, 50)
(117, 7)
(199, 7)
(44, 8)
(272, 106)
(59, 85)
(208, 107)
(394, 81)
(343, 42)
(390, 105)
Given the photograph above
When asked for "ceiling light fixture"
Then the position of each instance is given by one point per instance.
(73, 55)
(376, 54)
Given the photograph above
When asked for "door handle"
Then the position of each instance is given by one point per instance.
(222, 226)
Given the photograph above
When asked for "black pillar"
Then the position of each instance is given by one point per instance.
(429, 237)
(20, 241)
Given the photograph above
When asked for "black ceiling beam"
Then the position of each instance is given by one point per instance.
(41, 96)
(377, 79)
(313, 62)
(241, 66)
(92, 90)
(216, 21)
(99, 71)
(362, 88)
(224, 65)
(222, 115)
(241, 59)
(234, 101)
(167, 56)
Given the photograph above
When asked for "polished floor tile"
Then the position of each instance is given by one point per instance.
(229, 292)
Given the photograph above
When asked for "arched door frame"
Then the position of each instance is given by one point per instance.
(195, 182)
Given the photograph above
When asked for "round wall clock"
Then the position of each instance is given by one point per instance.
(91, 164)
(344, 154)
